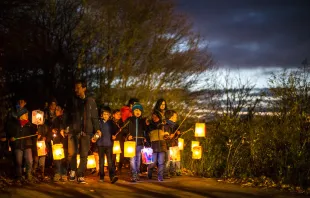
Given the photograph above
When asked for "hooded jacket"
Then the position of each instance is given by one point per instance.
(155, 135)
(136, 128)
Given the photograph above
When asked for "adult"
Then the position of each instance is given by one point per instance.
(83, 120)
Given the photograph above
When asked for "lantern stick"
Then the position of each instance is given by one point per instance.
(24, 137)
(183, 120)
(121, 128)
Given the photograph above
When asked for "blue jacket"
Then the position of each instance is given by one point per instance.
(107, 132)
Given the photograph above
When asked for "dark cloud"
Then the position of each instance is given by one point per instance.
(251, 33)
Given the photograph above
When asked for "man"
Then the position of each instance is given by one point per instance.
(83, 120)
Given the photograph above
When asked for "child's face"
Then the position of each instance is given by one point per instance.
(174, 118)
(105, 115)
(162, 105)
(22, 103)
(58, 111)
(155, 118)
(117, 115)
(137, 113)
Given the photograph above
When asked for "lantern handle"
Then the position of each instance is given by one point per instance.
(121, 128)
(19, 138)
(183, 121)
(190, 129)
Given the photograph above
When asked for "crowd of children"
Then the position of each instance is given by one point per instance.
(125, 124)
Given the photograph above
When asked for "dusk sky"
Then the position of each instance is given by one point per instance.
(253, 36)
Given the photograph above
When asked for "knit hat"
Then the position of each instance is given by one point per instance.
(137, 106)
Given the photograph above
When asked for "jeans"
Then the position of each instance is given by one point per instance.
(39, 160)
(106, 151)
(60, 166)
(158, 158)
(19, 155)
(135, 162)
(84, 147)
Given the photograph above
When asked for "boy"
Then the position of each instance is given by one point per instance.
(171, 168)
(135, 131)
(105, 145)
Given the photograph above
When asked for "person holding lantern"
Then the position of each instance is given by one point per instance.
(57, 136)
(20, 133)
(171, 168)
(83, 120)
(105, 145)
(135, 130)
(156, 136)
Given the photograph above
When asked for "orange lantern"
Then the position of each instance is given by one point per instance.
(58, 152)
(195, 143)
(41, 147)
(78, 160)
(91, 162)
(200, 130)
(105, 160)
(129, 149)
(37, 117)
(181, 143)
(197, 152)
(175, 155)
(116, 147)
(118, 156)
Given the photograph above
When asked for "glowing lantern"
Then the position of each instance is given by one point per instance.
(78, 161)
(129, 149)
(118, 156)
(197, 152)
(37, 117)
(200, 130)
(105, 160)
(194, 143)
(41, 147)
(175, 155)
(117, 147)
(58, 152)
(181, 143)
(91, 162)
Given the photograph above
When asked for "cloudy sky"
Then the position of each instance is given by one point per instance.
(253, 35)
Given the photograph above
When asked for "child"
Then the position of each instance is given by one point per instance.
(171, 168)
(18, 128)
(156, 136)
(58, 137)
(135, 131)
(105, 145)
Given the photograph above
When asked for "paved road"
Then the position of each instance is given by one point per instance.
(183, 186)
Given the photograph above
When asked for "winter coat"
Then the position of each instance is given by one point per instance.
(155, 135)
(58, 124)
(170, 127)
(106, 130)
(126, 113)
(82, 115)
(136, 128)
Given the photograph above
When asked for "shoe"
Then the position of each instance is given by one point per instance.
(81, 180)
(57, 177)
(133, 179)
(138, 177)
(114, 179)
(149, 175)
(160, 179)
(72, 176)
(101, 179)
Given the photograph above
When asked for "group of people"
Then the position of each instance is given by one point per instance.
(80, 127)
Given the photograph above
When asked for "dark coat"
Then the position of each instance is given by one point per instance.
(170, 127)
(136, 128)
(58, 124)
(106, 130)
(82, 115)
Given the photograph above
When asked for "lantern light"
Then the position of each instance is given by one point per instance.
(129, 149)
(37, 117)
(174, 154)
(118, 156)
(78, 160)
(91, 162)
(195, 143)
(200, 130)
(117, 147)
(58, 152)
(181, 143)
(105, 160)
(41, 148)
(197, 152)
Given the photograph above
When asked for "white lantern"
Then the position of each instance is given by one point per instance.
(37, 117)
(200, 130)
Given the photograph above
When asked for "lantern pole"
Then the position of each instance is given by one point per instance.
(183, 120)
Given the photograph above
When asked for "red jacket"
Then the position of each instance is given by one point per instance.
(126, 113)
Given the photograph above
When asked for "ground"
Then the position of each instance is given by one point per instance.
(183, 186)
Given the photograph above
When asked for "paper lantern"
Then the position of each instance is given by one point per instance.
(194, 143)
(58, 152)
(118, 156)
(41, 148)
(91, 162)
(78, 160)
(200, 130)
(147, 155)
(175, 155)
(181, 143)
(129, 149)
(116, 147)
(105, 160)
(197, 152)
(37, 117)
